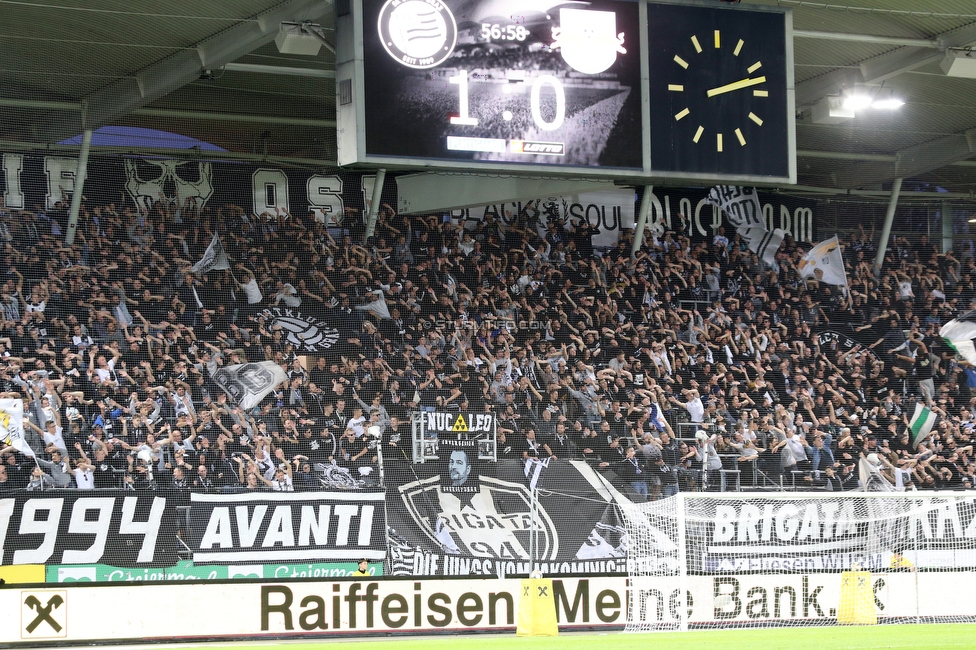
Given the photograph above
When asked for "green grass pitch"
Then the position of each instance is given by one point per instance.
(915, 637)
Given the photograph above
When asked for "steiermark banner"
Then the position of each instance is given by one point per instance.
(185, 570)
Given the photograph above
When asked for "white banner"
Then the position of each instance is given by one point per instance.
(253, 610)
(12, 425)
(824, 263)
(274, 610)
(741, 205)
(214, 258)
(612, 211)
(249, 383)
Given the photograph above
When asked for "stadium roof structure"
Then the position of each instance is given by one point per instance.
(211, 71)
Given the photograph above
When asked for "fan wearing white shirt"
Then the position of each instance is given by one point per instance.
(51, 433)
(694, 406)
(358, 422)
(84, 475)
(281, 481)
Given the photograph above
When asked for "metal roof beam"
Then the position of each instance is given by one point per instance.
(182, 154)
(913, 161)
(882, 67)
(865, 38)
(258, 68)
(173, 72)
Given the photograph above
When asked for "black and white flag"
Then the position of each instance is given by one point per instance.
(214, 258)
(249, 383)
(741, 205)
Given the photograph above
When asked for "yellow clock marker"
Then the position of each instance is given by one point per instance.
(680, 61)
(755, 66)
(718, 142)
(738, 47)
(760, 93)
(681, 114)
(742, 139)
(698, 47)
(698, 134)
(718, 39)
(677, 88)
(755, 118)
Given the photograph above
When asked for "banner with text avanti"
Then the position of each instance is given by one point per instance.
(270, 527)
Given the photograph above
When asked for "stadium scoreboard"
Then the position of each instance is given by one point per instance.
(589, 88)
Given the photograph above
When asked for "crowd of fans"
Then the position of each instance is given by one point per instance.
(664, 368)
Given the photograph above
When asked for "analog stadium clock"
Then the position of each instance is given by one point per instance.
(720, 91)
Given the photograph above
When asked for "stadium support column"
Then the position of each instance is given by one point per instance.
(681, 499)
(80, 173)
(886, 231)
(374, 206)
(645, 208)
(947, 225)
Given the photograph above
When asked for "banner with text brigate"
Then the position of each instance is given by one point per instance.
(270, 527)
(88, 527)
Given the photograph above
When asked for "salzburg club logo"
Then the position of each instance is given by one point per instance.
(588, 39)
(418, 33)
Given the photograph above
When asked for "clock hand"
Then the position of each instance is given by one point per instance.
(736, 85)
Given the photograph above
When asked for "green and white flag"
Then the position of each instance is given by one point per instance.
(921, 424)
(960, 334)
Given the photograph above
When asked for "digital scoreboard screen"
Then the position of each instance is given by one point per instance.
(506, 81)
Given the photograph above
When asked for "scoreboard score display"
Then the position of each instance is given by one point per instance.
(559, 86)
(505, 81)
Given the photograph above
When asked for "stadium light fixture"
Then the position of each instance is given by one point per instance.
(959, 63)
(889, 104)
(858, 101)
(886, 102)
(303, 39)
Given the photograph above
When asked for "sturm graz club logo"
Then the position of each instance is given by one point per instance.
(472, 524)
(418, 33)
(305, 332)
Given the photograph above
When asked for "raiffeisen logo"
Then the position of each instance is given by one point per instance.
(418, 33)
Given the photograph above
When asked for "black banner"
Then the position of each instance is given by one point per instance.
(35, 183)
(844, 338)
(287, 526)
(454, 521)
(89, 527)
(687, 211)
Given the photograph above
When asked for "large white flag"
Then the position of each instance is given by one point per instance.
(12, 425)
(249, 383)
(824, 263)
(741, 205)
(214, 258)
